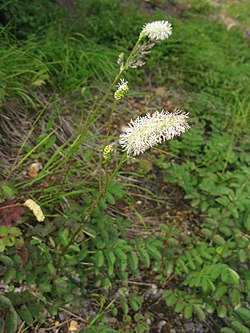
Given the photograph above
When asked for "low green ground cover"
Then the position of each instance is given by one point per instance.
(66, 65)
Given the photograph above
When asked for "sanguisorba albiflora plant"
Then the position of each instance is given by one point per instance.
(141, 134)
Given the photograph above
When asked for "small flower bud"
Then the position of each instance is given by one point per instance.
(83, 90)
(122, 90)
(108, 153)
(120, 60)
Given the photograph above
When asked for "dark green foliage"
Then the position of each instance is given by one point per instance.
(213, 169)
(24, 17)
(8, 316)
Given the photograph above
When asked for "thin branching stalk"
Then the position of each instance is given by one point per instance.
(89, 212)
(105, 143)
(101, 312)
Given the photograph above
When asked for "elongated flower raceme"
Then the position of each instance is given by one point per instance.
(146, 132)
(157, 30)
(36, 209)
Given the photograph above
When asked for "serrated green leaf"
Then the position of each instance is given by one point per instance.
(132, 261)
(110, 260)
(74, 248)
(169, 268)
(207, 232)
(211, 285)
(220, 291)
(224, 274)
(134, 305)
(180, 305)
(210, 306)
(223, 200)
(2, 245)
(82, 254)
(25, 314)
(226, 330)
(123, 265)
(204, 284)
(110, 198)
(6, 260)
(164, 227)
(120, 254)
(104, 236)
(171, 300)
(221, 310)
(123, 276)
(35, 240)
(51, 269)
(138, 242)
(234, 295)
(206, 255)
(5, 303)
(106, 283)
(166, 293)
(125, 306)
(99, 258)
(242, 255)
(15, 231)
(239, 327)
(188, 311)
(234, 275)
(215, 271)
(198, 260)
(225, 230)
(63, 237)
(199, 311)
(144, 257)
(9, 275)
(45, 287)
(219, 240)
(244, 314)
(11, 321)
(36, 308)
(192, 265)
(154, 252)
(8, 192)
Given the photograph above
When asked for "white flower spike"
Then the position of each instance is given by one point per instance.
(122, 89)
(157, 30)
(151, 130)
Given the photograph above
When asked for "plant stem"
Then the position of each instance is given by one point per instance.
(79, 140)
(10, 206)
(90, 211)
(102, 311)
(105, 143)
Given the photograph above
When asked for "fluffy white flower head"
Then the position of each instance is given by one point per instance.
(122, 89)
(146, 132)
(157, 30)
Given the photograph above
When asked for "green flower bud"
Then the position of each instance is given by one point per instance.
(108, 153)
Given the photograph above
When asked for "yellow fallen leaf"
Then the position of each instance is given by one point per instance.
(73, 326)
(34, 169)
